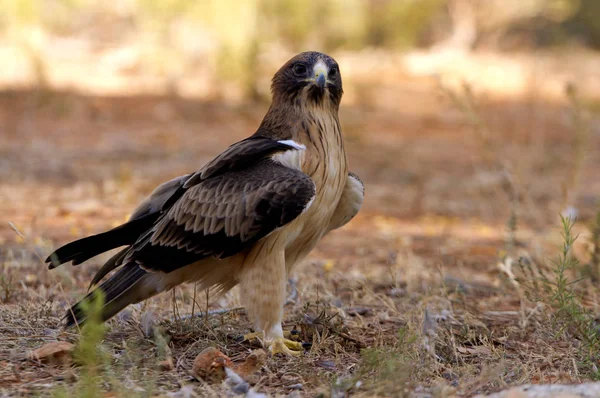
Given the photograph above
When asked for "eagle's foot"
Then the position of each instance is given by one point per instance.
(281, 345)
(287, 344)
(255, 335)
(292, 335)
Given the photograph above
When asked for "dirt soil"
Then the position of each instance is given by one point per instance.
(419, 294)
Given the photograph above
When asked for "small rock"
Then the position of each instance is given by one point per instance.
(326, 363)
(584, 390)
(237, 384)
(210, 365)
(54, 353)
(184, 392)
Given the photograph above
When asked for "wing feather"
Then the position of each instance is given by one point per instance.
(240, 155)
(350, 202)
(223, 215)
(234, 200)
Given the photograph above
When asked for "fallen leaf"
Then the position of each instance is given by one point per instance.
(56, 353)
(252, 364)
(210, 365)
(476, 350)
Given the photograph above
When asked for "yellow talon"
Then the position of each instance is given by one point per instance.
(281, 345)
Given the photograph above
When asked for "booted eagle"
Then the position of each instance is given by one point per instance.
(247, 217)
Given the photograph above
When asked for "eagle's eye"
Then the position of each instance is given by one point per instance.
(299, 69)
(333, 71)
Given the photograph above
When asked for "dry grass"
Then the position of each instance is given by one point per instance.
(443, 285)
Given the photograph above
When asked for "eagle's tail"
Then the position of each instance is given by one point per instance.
(123, 288)
(86, 248)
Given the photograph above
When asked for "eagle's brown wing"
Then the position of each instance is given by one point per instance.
(349, 204)
(218, 216)
(155, 202)
(239, 155)
(222, 215)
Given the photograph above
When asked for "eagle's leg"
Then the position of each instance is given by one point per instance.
(263, 293)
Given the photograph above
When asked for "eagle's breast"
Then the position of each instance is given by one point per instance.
(324, 161)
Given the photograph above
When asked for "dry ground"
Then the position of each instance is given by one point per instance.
(417, 294)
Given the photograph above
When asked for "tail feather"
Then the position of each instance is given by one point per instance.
(118, 291)
(86, 248)
(108, 266)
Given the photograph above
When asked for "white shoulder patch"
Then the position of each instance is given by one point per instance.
(293, 144)
(291, 159)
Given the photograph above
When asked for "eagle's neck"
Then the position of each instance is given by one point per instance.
(316, 126)
(290, 120)
(319, 129)
(319, 126)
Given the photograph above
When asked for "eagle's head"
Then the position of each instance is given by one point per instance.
(310, 77)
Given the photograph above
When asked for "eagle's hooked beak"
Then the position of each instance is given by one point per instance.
(320, 73)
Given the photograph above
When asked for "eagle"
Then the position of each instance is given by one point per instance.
(247, 217)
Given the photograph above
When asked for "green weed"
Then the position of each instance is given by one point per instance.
(570, 315)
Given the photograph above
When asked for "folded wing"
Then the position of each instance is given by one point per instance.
(223, 214)
(349, 204)
(237, 157)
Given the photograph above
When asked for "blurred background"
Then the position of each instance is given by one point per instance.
(229, 48)
(456, 111)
